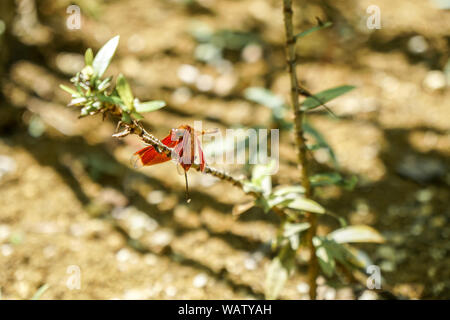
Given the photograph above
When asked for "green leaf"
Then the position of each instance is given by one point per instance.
(358, 257)
(358, 233)
(326, 260)
(264, 96)
(278, 272)
(40, 292)
(104, 56)
(69, 90)
(325, 179)
(77, 102)
(316, 28)
(350, 183)
(124, 90)
(283, 190)
(294, 228)
(262, 202)
(328, 251)
(103, 85)
(282, 201)
(89, 57)
(320, 141)
(126, 117)
(305, 204)
(110, 99)
(249, 186)
(276, 277)
(137, 115)
(267, 98)
(149, 106)
(261, 176)
(324, 97)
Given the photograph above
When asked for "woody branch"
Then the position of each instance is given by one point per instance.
(300, 141)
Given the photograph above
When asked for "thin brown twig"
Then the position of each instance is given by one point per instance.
(301, 144)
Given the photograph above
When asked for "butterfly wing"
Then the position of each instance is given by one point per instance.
(200, 155)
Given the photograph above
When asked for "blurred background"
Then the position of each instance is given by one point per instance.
(70, 200)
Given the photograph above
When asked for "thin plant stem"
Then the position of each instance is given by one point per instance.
(301, 144)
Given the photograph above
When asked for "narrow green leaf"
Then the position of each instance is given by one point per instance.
(316, 28)
(104, 56)
(262, 203)
(358, 257)
(103, 85)
(149, 106)
(278, 272)
(291, 229)
(40, 292)
(326, 260)
(270, 100)
(124, 90)
(261, 176)
(324, 97)
(264, 96)
(283, 190)
(275, 279)
(137, 115)
(350, 183)
(69, 90)
(77, 102)
(110, 99)
(282, 201)
(89, 57)
(126, 117)
(321, 141)
(325, 179)
(304, 204)
(249, 186)
(358, 233)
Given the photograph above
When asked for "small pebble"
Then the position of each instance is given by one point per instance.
(188, 73)
(7, 165)
(162, 238)
(303, 287)
(136, 43)
(205, 82)
(200, 280)
(368, 295)
(181, 95)
(150, 259)
(250, 263)
(171, 291)
(5, 232)
(155, 197)
(417, 44)
(435, 80)
(6, 250)
(123, 255)
(252, 53)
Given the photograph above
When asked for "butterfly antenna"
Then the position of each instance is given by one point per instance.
(188, 199)
(306, 93)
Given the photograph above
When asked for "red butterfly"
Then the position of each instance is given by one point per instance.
(186, 146)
